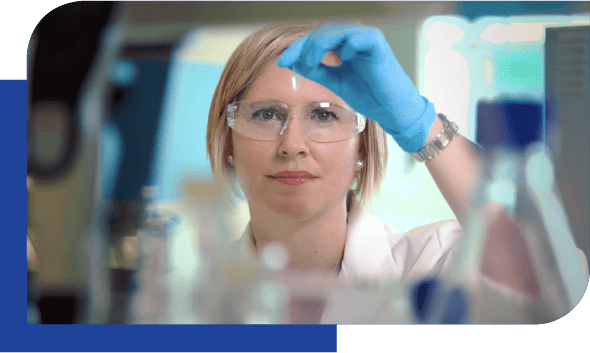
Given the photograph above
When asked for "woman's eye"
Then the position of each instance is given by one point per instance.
(266, 114)
(324, 115)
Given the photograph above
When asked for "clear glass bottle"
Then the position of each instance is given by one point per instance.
(492, 228)
(223, 276)
(151, 298)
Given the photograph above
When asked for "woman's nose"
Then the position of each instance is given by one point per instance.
(294, 140)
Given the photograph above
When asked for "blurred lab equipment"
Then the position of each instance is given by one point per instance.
(558, 263)
(209, 278)
(474, 9)
(152, 242)
(435, 302)
(493, 220)
(67, 88)
(567, 107)
(517, 210)
(520, 184)
(137, 82)
(202, 278)
(216, 301)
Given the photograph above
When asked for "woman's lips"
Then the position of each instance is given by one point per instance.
(294, 174)
(292, 181)
(292, 178)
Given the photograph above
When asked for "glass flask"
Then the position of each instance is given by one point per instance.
(492, 228)
(518, 258)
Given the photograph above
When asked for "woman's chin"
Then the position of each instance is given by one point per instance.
(293, 211)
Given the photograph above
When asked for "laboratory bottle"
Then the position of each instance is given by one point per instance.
(224, 276)
(454, 295)
(151, 296)
(451, 296)
(541, 272)
(398, 309)
(517, 256)
(269, 295)
(492, 227)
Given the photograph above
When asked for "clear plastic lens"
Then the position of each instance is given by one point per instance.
(268, 120)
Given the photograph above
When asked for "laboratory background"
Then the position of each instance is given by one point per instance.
(120, 194)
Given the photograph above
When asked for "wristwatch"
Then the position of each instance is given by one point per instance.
(442, 140)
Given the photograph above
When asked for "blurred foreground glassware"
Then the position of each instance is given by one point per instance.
(518, 219)
(234, 286)
(150, 303)
(226, 276)
(397, 308)
(560, 268)
(269, 296)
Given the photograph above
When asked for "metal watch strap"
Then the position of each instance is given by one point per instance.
(442, 140)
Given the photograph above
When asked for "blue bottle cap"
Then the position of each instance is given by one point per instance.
(429, 297)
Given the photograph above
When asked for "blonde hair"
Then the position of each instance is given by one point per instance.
(242, 68)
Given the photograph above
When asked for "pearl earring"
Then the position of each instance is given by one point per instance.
(360, 164)
(230, 159)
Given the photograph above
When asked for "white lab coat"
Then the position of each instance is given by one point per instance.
(375, 251)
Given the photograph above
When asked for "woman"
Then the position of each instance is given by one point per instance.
(309, 169)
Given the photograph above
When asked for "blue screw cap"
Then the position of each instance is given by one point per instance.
(429, 297)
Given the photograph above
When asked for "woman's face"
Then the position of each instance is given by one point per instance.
(257, 163)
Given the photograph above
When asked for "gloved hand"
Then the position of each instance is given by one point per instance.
(369, 79)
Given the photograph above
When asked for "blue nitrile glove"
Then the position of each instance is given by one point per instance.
(369, 79)
(435, 303)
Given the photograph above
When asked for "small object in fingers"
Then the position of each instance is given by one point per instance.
(295, 80)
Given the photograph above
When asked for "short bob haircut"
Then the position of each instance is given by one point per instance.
(243, 67)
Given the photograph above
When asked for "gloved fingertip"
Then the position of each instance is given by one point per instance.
(291, 54)
(347, 53)
(284, 61)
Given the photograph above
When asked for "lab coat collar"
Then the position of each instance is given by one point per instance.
(367, 253)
